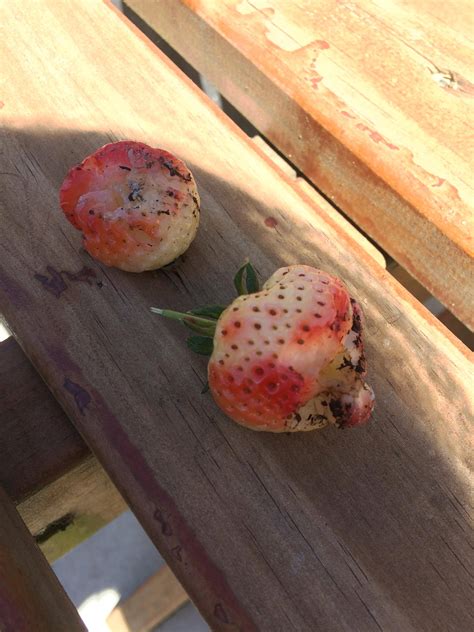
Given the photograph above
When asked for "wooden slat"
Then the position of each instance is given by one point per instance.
(310, 192)
(38, 443)
(339, 220)
(349, 91)
(327, 531)
(63, 494)
(447, 318)
(31, 597)
(151, 604)
(72, 508)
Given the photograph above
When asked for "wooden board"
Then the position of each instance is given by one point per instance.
(311, 193)
(72, 508)
(151, 604)
(326, 531)
(62, 493)
(38, 443)
(359, 95)
(31, 597)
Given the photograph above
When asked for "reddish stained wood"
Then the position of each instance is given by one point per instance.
(31, 597)
(325, 531)
(368, 116)
(271, 222)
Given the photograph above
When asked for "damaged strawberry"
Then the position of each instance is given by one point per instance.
(137, 207)
(286, 357)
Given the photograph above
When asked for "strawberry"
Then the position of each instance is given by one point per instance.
(137, 207)
(288, 357)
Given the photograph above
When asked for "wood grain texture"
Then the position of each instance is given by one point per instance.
(311, 194)
(359, 95)
(31, 597)
(72, 508)
(362, 530)
(151, 604)
(38, 443)
(63, 494)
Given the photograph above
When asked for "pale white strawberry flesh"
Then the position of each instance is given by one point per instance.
(137, 207)
(277, 353)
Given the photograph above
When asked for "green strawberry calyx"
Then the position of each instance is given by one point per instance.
(203, 320)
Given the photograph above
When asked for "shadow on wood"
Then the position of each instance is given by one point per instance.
(362, 518)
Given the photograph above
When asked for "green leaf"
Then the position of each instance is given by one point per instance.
(252, 282)
(239, 281)
(246, 280)
(205, 388)
(200, 344)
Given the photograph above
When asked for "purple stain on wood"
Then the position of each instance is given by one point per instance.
(221, 614)
(62, 361)
(2, 105)
(81, 396)
(439, 182)
(271, 222)
(56, 284)
(206, 574)
(108, 434)
(14, 292)
(177, 553)
(375, 136)
(165, 527)
(348, 114)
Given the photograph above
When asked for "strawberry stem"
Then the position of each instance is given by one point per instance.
(200, 324)
(203, 320)
(183, 316)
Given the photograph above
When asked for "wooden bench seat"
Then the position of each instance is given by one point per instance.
(325, 531)
(372, 101)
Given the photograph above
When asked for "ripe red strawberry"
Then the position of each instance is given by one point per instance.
(137, 207)
(288, 357)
